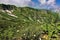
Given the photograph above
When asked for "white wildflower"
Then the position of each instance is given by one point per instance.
(24, 34)
(17, 30)
(39, 38)
(34, 35)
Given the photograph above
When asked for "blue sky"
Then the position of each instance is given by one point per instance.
(37, 2)
(58, 2)
(55, 4)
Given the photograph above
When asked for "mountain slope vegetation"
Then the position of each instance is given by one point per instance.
(25, 23)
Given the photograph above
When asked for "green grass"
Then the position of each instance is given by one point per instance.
(30, 22)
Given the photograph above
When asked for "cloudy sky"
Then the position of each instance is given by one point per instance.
(49, 4)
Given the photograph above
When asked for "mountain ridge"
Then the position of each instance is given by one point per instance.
(11, 7)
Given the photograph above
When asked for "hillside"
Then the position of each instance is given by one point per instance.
(24, 23)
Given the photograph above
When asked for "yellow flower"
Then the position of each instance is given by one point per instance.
(45, 36)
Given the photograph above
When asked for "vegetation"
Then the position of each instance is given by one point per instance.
(30, 24)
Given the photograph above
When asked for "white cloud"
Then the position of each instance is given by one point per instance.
(42, 1)
(4, 1)
(56, 8)
(51, 1)
(21, 3)
(47, 2)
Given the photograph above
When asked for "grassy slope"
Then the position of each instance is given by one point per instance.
(29, 22)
